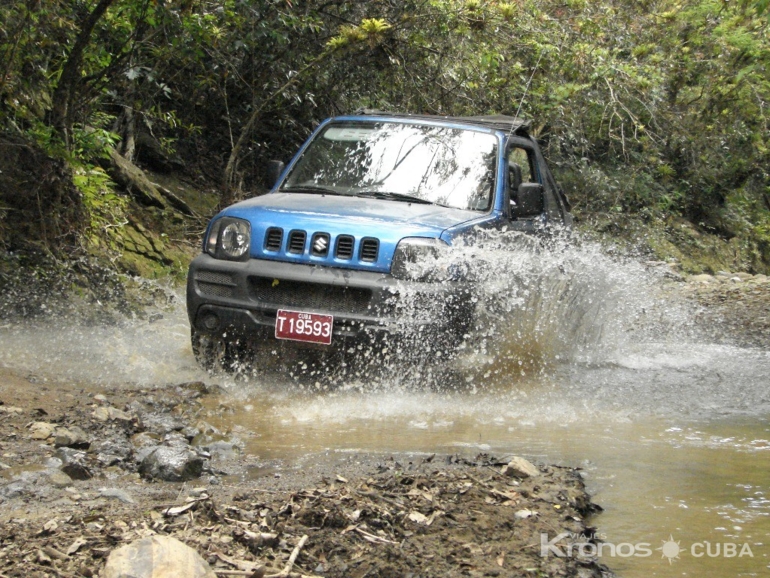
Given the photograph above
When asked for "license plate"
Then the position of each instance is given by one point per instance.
(308, 327)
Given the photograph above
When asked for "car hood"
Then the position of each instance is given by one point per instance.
(384, 220)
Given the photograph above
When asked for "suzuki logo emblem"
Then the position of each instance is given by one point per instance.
(320, 244)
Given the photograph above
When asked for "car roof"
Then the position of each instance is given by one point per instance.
(508, 124)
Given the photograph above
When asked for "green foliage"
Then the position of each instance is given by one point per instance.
(105, 209)
(645, 107)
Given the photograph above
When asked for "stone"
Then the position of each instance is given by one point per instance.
(194, 388)
(161, 424)
(100, 398)
(171, 464)
(520, 468)
(59, 479)
(156, 557)
(703, 279)
(110, 451)
(74, 463)
(9, 409)
(41, 430)
(107, 413)
(144, 439)
(116, 494)
(175, 440)
(71, 437)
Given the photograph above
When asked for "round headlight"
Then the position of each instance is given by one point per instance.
(229, 239)
(421, 259)
(235, 239)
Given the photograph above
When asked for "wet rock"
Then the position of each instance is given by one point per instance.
(703, 279)
(156, 557)
(194, 388)
(171, 464)
(14, 489)
(112, 451)
(141, 453)
(74, 463)
(190, 432)
(218, 445)
(27, 483)
(59, 479)
(41, 430)
(175, 440)
(145, 439)
(520, 468)
(223, 449)
(71, 437)
(109, 413)
(116, 494)
(161, 424)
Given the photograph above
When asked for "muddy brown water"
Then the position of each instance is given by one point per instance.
(672, 431)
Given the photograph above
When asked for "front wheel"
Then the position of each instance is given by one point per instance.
(214, 354)
(210, 351)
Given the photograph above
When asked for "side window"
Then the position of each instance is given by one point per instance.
(521, 170)
(519, 162)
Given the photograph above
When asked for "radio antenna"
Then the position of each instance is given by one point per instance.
(526, 91)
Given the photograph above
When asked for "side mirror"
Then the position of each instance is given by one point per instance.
(274, 170)
(530, 201)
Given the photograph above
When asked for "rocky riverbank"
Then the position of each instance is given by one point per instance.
(85, 472)
(733, 307)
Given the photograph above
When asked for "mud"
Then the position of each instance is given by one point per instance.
(363, 515)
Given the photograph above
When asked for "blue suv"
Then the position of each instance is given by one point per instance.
(353, 243)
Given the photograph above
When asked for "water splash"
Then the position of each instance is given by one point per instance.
(537, 306)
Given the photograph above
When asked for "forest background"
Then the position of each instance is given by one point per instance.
(125, 124)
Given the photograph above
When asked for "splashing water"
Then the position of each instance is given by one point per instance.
(574, 356)
(535, 309)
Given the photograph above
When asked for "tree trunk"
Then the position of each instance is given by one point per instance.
(228, 194)
(61, 108)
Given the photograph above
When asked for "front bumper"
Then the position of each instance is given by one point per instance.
(243, 298)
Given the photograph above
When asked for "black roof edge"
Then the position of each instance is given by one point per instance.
(509, 124)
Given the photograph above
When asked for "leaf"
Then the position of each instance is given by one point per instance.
(418, 518)
(76, 545)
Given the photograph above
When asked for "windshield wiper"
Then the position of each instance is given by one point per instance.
(394, 197)
(313, 189)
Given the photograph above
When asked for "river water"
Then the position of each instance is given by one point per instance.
(588, 364)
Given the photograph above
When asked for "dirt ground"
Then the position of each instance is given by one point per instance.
(734, 307)
(368, 515)
(73, 487)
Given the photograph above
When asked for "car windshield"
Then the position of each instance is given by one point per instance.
(399, 162)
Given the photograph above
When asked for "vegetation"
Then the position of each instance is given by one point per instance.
(654, 110)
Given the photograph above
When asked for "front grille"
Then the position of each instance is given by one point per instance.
(215, 290)
(214, 277)
(301, 295)
(369, 249)
(344, 248)
(297, 242)
(273, 239)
